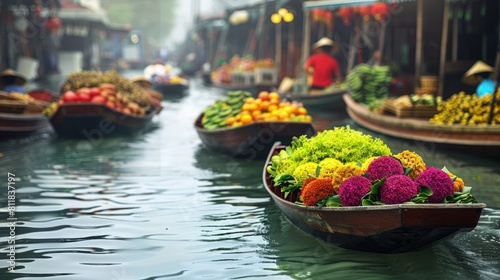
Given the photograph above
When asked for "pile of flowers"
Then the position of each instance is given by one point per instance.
(343, 167)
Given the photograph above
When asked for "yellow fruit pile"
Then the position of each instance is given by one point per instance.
(467, 109)
(267, 107)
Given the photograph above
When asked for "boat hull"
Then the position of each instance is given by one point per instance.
(95, 121)
(381, 229)
(318, 100)
(21, 125)
(171, 89)
(251, 141)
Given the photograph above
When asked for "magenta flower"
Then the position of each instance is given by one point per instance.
(398, 189)
(438, 181)
(383, 167)
(353, 189)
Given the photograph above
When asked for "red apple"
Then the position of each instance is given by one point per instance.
(94, 91)
(98, 99)
(70, 96)
(84, 97)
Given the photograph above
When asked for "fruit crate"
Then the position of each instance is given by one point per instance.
(266, 76)
(416, 111)
(243, 78)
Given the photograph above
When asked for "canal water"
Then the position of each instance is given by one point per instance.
(159, 205)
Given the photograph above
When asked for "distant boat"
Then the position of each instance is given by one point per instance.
(21, 119)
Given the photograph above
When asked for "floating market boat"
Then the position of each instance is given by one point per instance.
(394, 228)
(252, 140)
(90, 120)
(20, 119)
(318, 98)
(478, 139)
(168, 89)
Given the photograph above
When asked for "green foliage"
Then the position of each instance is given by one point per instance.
(342, 143)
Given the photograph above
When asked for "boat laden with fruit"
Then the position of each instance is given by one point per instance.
(351, 190)
(21, 114)
(243, 126)
(96, 105)
(165, 81)
(453, 125)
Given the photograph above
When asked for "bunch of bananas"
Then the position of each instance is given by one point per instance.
(216, 115)
(467, 109)
(51, 109)
(369, 84)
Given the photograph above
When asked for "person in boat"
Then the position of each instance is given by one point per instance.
(376, 59)
(321, 65)
(480, 73)
(12, 81)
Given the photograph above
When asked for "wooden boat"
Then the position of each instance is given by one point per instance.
(234, 86)
(95, 121)
(21, 120)
(393, 228)
(251, 141)
(325, 99)
(171, 89)
(480, 139)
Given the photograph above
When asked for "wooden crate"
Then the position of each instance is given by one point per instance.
(417, 111)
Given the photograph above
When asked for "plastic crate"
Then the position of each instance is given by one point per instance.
(244, 78)
(265, 76)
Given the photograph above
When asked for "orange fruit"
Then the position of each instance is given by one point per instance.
(252, 107)
(302, 111)
(274, 101)
(308, 118)
(246, 119)
(249, 100)
(256, 113)
(264, 106)
(272, 107)
(246, 107)
(274, 95)
(264, 95)
(230, 120)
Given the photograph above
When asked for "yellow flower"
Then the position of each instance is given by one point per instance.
(345, 172)
(411, 160)
(458, 183)
(328, 167)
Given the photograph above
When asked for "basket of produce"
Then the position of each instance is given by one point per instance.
(352, 190)
(412, 106)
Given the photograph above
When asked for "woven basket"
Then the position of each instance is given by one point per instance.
(12, 106)
(429, 83)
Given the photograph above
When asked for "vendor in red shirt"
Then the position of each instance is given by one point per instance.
(322, 65)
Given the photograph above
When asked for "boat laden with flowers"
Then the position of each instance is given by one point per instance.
(350, 190)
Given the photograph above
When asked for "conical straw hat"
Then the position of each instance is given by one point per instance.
(478, 67)
(141, 81)
(323, 42)
(20, 79)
